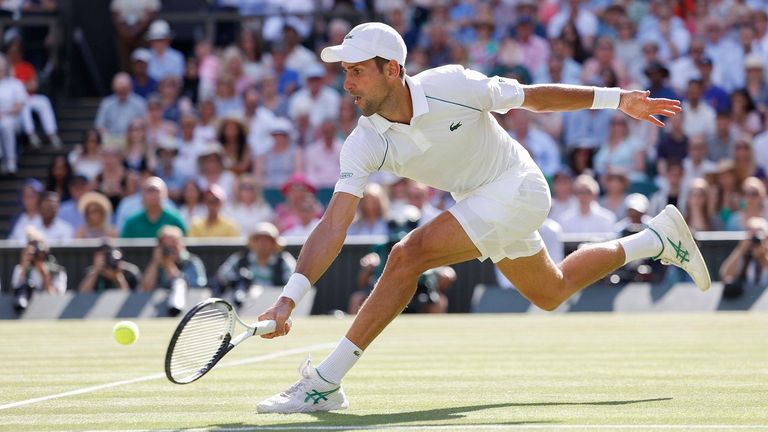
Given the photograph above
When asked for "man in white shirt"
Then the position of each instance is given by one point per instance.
(164, 61)
(13, 96)
(588, 217)
(50, 225)
(698, 116)
(321, 158)
(321, 101)
(437, 128)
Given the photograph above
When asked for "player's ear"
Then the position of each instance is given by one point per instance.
(393, 69)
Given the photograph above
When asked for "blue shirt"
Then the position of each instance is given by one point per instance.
(171, 63)
(288, 77)
(146, 89)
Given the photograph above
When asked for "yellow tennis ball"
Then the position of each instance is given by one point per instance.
(126, 332)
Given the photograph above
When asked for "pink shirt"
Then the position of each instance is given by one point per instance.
(322, 163)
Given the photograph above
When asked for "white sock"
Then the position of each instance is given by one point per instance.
(644, 244)
(339, 362)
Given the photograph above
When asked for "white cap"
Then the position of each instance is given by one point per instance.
(141, 54)
(367, 41)
(637, 202)
(159, 29)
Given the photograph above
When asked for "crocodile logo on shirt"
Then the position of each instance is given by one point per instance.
(349, 36)
(454, 126)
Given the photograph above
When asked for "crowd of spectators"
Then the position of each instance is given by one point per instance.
(219, 139)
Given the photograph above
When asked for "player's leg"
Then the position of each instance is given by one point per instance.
(547, 285)
(441, 242)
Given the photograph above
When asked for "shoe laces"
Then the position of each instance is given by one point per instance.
(305, 370)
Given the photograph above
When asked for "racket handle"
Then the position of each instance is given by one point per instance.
(267, 326)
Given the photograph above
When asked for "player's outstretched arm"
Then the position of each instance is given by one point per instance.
(317, 254)
(635, 103)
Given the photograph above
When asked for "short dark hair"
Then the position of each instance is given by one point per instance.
(381, 62)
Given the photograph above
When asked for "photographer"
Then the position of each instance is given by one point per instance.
(173, 267)
(110, 271)
(263, 262)
(37, 271)
(746, 265)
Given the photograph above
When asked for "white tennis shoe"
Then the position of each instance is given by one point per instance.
(310, 393)
(679, 247)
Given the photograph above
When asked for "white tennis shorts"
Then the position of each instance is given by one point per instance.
(502, 218)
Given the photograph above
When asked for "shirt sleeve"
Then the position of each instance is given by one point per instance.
(494, 93)
(363, 152)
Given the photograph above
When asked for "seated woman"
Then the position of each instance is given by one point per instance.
(96, 210)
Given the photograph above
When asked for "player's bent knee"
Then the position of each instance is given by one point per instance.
(405, 258)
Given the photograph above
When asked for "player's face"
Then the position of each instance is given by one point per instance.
(367, 84)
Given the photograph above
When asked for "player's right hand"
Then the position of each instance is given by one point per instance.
(280, 312)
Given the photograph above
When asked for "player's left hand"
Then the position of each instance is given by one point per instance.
(639, 105)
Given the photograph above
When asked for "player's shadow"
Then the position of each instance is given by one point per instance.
(341, 421)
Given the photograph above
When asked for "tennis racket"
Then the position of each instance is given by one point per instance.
(203, 337)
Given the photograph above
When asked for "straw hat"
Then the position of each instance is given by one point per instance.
(266, 229)
(94, 198)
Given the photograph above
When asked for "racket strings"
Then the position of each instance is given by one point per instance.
(201, 340)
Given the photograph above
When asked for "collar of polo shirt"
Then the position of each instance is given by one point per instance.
(420, 106)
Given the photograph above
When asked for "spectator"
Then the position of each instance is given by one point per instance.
(153, 215)
(437, 45)
(592, 125)
(560, 66)
(657, 75)
(29, 200)
(131, 19)
(744, 117)
(287, 79)
(283, 160)
(322, 157)
(615, 184)
(13, 97)
(745, 266)
(539, 144)
(248, 206)
(167, 149)
(86, 158)
(673, 145)
(263, 263)
(271, 98)
(604, 60)
(374, 206)
(580, 158)
(232, 60)
(696, 165)
(348, 115)
(720, 144)
(192, 205)
(534, 48)
(96, 211)
(299, 57)
(37, 271)
(116, 112)
(698, 210)
(113, 179)
(190, 145)
(574, 43)
(628, 50)
(667, 29)
(621, 152)
(715, 95)
(143, 84)
(744, 160)
(169, 89)
(760, 149)
(725, 191)
(250, 44)
(157, 126)
(698, 116)
(685, 68)
(50, 226)
(306, 218)
(233, 137)
(563, 199)
(319, 100)
(174, 268)
(227, 101)
(163, 61)
(484, 49)
(211, 163)
(635, 216)
(650, 56)
(418, 196)
(77, 186)
(137, 157)
(589, 216)
(756, 86)
(207, 64)
(59, 174)
(190, 85)
(259, 123)
(754, 193)
(110, 271)
(671, 190)
(726, 53)
(39, 105)
(214, 224)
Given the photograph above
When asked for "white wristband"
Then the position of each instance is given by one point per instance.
(606, 97)
(297, 286)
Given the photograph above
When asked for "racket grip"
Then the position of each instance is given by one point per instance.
(267, 326)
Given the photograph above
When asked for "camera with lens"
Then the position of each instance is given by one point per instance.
(112, 257)
(167, 251)
(39, 251)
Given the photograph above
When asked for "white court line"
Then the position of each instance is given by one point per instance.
(460, 427)
(91, 389)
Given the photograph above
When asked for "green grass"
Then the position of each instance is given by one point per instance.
(512, 372)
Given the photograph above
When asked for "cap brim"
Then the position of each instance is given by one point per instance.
(344, 53)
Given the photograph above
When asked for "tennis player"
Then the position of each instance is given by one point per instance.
(437, 128)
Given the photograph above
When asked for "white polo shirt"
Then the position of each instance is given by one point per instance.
(452, 143)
